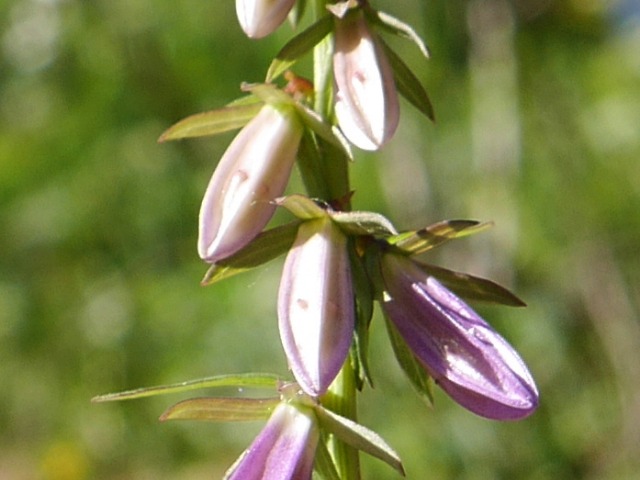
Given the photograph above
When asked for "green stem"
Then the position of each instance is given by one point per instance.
(333, 168)
(341, 399)
(329, 165)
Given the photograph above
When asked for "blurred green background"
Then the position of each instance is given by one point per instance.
(538, 107)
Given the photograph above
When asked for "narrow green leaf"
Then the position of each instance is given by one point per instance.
(473, 288)
(212, 122)
(221, 409)
(298, 46)
(262, 249)
(408, 84)
(358, 436)
(420, 241)
(364, 223)
(251, 380)
(396, 27)
(412, 368)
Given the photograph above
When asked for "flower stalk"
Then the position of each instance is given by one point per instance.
(341, 394)
(338, 261)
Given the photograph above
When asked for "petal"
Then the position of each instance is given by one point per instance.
(258, 18)
(285, 449)
(467, 358)
(253, 171)
(315, 305)
(367, 105)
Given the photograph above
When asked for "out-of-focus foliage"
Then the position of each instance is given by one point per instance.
(537, 106)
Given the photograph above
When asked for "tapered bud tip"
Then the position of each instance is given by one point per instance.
(258, 18)
(367, 106)
(466, 357)
(251, 174)
(315, 305)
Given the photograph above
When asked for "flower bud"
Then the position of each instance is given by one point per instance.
(258, 18)
(252, 172)
(315, 305)
(284, 449)
(465, 356)
(367, 105)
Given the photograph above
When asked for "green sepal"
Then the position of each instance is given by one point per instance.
(420, 241)
(364, 312)
(213, 122)
(397, 27)
(270, 94)
(250, 380)
(358, 437)
(471, 287)
(262, 249)
(297, 12)
(298, 46)
(301, 206)
(364, 223)
(408, 84)
(413, 369)
(312, 167)
(324, 464)
(245, 100)
(221, 409)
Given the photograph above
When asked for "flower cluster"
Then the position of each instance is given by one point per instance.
(338, 262)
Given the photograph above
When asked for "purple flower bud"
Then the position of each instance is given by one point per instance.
(315, 305)
(285, 449)
(465, 356)
(253, 171)
(367, 105)
(258, 18)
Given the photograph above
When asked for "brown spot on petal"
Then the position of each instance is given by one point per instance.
(360, 76)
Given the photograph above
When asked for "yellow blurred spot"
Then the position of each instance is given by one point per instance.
(64, 460)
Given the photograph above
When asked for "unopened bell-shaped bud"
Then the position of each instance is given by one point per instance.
(315, 305)
(465, 356)
(367, 105)
(258, 18)
(253, 171)
(284, 450)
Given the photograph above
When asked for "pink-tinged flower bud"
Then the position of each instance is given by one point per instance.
(253, 171)
(284, 450)
(315, 305)
(367, 105)
(465, 356)
(258, 18)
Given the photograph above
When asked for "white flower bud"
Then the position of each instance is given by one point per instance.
(253, 171)
(367, 105)
(315, 305)
(258, 18)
